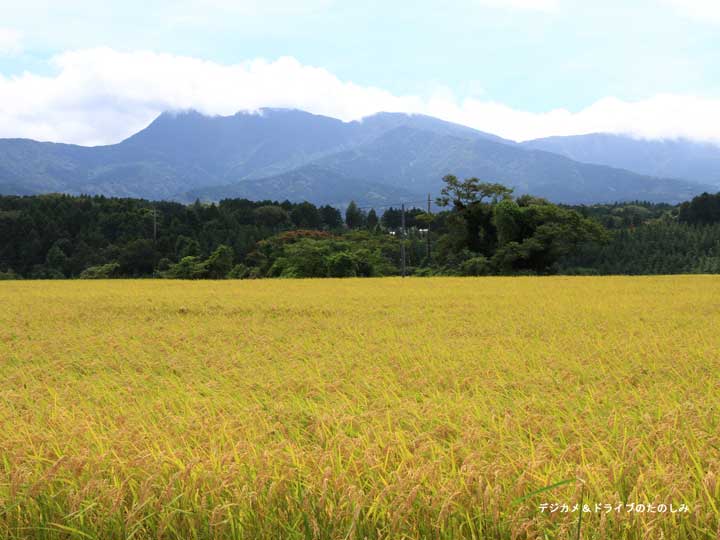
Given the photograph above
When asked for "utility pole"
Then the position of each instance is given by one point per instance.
(154, 223)
(427, 234)
(402, 239)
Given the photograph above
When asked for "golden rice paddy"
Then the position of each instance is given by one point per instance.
(361, 408)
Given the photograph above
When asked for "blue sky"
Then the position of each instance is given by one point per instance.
(528, 57)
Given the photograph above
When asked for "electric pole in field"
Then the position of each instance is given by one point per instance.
(154, 223)
(402, 239)
(427, 233)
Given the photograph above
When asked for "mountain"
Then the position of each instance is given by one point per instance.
(308, 183)
(282, 153)
(181, 152)
(674, 158)
(417, 160)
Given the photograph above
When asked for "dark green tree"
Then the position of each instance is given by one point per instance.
(305, 216)
(138, 258)
(462, 194)
(391, 218)
(354, 217)
(372, 219)
(57, 259)
(472, 226)
(702, 210)
(271, 216)
(186, 247)
(534, 235)
(330, 217)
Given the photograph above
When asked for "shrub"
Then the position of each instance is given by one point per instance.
(188, 268)
(477, 266)
(8, 275)
(239, 271)
(341, 264)
(104, 271)
(220, 262)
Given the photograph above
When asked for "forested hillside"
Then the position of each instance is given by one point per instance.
(481, 229)
(654, 239)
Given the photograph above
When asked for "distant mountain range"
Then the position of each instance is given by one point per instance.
(674, 158)
(386, 158)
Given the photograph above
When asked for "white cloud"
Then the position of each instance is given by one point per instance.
(530, 5)
(664, 116)
(10, 42)
(701, 10)
(260, 7)
(101, 96)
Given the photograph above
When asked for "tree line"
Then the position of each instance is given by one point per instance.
(481, 229)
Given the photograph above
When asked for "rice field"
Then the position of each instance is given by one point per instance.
(361, 408)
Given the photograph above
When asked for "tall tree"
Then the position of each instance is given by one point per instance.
(702, 210)
(372, 219)
(470, 191)
(391, 218)
(271, 216)
(472, 202)
(305, 216)
(354, 217)
(330, 217)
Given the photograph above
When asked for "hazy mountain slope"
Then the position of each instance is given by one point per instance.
(182, 155)
(30, 167)
(308, 183)
(230, 148)
(35, 167)
(380, 123)
(417, 160)
(183, 151)
(673, 158)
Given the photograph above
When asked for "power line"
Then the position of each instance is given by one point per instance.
(427, 234)
(402, 240)
(399, 204)
(403, 230)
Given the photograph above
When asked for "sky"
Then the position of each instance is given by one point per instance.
(88, 72)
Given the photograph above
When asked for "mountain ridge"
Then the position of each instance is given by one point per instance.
(674, 158)
(290, 153)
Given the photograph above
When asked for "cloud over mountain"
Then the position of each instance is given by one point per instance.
(98, 96)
